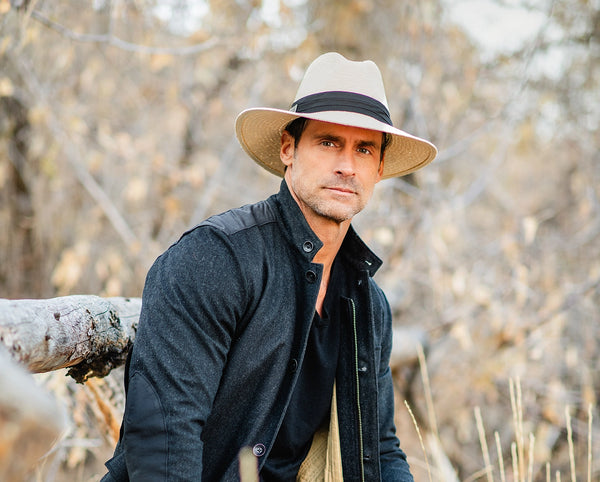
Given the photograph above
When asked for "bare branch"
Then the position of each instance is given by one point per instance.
(113, 41)
(83, 175)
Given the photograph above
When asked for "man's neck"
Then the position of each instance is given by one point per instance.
(332, 236)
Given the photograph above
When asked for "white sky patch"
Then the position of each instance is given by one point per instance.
(497, 28)
(284, 33)
(501, 28)
(269, 12)
(549, 119)
(552, 63)
(185, 17)
(182, 17)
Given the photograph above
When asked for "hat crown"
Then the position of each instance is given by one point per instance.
(333, 72)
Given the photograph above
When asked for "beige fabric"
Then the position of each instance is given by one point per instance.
(324, 460)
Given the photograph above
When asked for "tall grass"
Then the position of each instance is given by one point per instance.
(522, 460)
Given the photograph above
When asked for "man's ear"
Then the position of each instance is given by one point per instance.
(286, 152)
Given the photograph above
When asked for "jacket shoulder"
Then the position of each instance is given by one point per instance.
(242, 218)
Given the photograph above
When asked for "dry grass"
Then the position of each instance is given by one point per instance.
(522, 462)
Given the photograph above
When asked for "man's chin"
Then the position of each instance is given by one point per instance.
(337, 215)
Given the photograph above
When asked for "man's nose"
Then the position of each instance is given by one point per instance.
(345, 162)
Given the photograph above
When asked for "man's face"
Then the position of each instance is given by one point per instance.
(333, 170)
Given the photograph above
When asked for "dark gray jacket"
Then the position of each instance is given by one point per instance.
(225, 318)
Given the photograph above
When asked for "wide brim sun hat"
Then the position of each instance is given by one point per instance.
(334, 89)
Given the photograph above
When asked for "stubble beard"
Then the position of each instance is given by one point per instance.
(337, 211)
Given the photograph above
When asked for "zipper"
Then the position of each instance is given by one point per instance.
(356, 370)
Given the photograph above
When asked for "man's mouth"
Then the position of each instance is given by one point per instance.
(341, 189)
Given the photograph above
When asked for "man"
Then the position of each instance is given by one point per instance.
(262, 327)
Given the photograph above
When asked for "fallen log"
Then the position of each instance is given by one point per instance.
(89, 334)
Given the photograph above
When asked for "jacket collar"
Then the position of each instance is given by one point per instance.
(358, 254)
(301, 236)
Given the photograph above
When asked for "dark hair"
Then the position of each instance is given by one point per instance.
(297, 126)
(385, 142)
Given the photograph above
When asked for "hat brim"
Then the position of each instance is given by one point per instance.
(259, 132)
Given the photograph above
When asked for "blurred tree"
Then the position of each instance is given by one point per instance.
(116, 134)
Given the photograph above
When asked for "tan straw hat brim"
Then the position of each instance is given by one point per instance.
(259, 133)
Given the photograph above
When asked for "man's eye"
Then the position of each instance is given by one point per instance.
(327, 143)
(364, 150)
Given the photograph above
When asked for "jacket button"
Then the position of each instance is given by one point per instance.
(293, 365)
(307, 246)
(311, 276)
(258, 450)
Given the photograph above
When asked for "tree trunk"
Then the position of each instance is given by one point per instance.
(89, 334)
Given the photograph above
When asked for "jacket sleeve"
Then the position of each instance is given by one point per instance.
(394, 466)
(192, 299)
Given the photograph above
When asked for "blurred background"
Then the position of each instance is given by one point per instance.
(116, 134)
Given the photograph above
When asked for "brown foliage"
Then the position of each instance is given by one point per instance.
(116, 135)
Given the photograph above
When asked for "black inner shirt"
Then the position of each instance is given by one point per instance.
(310, 404)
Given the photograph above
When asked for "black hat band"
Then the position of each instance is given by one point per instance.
(343, 101)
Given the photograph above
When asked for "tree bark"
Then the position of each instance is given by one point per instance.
(89, 334)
